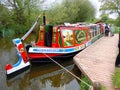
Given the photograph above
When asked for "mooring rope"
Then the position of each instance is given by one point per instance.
(90, 87)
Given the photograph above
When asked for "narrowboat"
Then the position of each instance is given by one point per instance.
(62, 41)
(58, 42)
(54, 42)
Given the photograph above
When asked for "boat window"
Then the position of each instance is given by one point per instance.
(80, 36)
(67, 37)
(95, 31)
(92, 31)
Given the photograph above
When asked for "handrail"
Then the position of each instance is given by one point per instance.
(31, 29)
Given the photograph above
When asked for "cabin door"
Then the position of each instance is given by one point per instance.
(48, 35)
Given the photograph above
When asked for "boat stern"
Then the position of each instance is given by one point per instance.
(23, 63)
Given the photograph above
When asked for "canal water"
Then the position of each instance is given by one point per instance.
(42, 76)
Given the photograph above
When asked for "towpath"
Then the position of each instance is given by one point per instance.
(97, 61)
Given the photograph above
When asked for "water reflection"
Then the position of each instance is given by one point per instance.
(41, 76)
(46, 77)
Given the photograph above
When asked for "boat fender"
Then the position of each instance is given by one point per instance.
(8, 67)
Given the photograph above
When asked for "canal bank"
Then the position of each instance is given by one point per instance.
(97, 62)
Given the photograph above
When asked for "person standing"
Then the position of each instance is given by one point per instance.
(111, 30)
(117, 63)
(106, 30)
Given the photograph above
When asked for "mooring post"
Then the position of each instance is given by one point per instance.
(97, 86)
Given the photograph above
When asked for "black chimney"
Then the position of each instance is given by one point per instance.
(44, 19)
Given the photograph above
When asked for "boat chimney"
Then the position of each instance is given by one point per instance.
(44, 19)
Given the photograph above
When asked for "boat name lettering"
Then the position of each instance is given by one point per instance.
(46, 50)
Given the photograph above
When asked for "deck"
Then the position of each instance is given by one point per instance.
(97, 61)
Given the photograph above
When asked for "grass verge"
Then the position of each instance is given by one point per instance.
(85, 87)
(116, 78)
(82, 85)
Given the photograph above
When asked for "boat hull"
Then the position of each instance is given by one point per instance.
(13, 73)
(43, 54)
(48, 57)
(19, 67)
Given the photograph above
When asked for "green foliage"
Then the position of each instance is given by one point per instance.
(84, 86)
(104, 17)
(103, 88)
(21, 14)
(117, 23)
(116, 29)
(116, 78)
(4, 17)
(19, 18)
(72, 11)
(86, 11)
(110, 6)
(7, 32)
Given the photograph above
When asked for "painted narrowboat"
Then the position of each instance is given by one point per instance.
(54, 42)
(58, 42)
(62, 41)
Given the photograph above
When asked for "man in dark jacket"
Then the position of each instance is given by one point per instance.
(106, 30)
(117, 63)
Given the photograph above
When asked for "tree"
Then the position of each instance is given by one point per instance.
(104, 17)
(86, 10)
(4, 16)
(22, 13)
(117, 23)
(110, 6)
(72, 11)
(5, 20)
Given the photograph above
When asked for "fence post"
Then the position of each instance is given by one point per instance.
(97, 86)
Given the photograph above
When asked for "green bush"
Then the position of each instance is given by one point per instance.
(117, 29)
(116, 78)
(7, 32)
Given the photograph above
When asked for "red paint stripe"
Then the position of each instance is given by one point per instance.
(39, 55)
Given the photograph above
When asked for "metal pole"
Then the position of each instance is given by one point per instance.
(44, 19)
